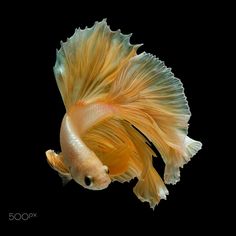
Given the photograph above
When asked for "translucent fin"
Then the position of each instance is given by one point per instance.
(55, 161)
(88, 62)
(172, 170)
(150, 187)
(192, 147)
(151, 98)
(66, 178)
(172, 173)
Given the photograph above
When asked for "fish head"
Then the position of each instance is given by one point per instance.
(91, 174)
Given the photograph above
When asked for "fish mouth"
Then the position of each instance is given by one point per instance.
(102, 185)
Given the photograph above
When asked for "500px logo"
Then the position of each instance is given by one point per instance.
(21, 216)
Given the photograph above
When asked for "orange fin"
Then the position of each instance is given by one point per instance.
(116, 160)
(133, 170)
(151, 188)
(152, 99)
(88, 62)
(111, 143)
(55, 161)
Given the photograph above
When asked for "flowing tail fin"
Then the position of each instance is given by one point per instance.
(152, 99)
(172, 172)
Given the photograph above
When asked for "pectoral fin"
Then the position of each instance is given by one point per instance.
(65, 178)
(55, 161)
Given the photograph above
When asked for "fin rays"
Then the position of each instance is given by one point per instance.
(89, 61)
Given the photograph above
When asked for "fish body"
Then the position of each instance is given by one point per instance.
(108, 89)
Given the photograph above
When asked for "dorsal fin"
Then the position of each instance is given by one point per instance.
(89, 61)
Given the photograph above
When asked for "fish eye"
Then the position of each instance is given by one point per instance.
(88, 180)
(106, 169)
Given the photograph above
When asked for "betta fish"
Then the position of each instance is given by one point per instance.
(118, 102)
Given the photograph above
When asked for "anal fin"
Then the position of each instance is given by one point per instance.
(151, 188)
(117, 160)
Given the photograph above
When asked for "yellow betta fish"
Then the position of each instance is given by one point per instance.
(110, 94)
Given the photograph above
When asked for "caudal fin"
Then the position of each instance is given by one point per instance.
(192, 147)
(149, 96)
(172, 169)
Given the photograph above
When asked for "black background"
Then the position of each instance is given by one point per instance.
(182, 36)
